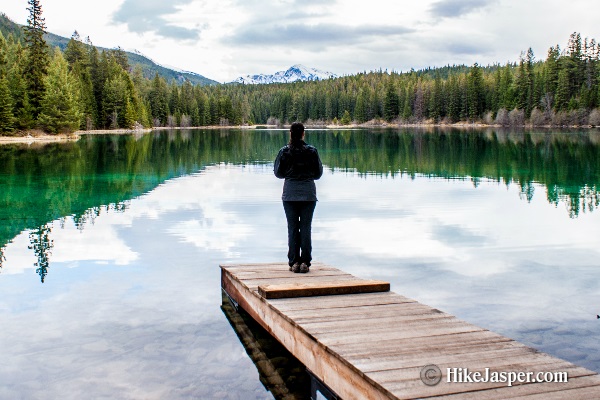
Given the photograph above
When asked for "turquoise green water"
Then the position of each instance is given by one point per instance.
(126, 233)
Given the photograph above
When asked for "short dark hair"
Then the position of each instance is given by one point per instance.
(296, 132)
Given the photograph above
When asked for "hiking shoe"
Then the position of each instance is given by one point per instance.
(295, 268)
(303, 268)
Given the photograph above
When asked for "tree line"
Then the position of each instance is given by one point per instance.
(86, 88)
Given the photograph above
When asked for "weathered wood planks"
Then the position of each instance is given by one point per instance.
(374, 345)
(327, 288)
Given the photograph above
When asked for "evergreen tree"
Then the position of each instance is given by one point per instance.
(7, 119)
(37, 56)
(530, 89)
(475, 93)
(562, 90)
(390, 103)
(551, 70)
(435, 100)
(346, 119)
(158, 101)
(98, 78)
(78, 59)
(407, 107)
(60, 105)
(129, 117)
(360, 109)
(121, 58)
(454, 99)
(75, 51)
(18, 86)
(114, 102)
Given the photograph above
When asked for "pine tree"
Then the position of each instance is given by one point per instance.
(60, 105)
(530, 92)
(390, 103)
(75, 51)
(346, 119)
(7, 119)
(435, 100)
(407, 106)
(114, 100)
(158, 100)
(121, 58)
(551, 70)
(129, 118)
(37, 56)
(18, 87)
(475, 93)
(521, 85)
(561, 100)
(360, 109)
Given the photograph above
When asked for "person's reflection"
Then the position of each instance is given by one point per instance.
(41, 244)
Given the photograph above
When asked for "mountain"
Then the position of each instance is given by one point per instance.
(149, 67)
(294, 73)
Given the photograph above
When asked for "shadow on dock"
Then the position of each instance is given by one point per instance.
(280, 372)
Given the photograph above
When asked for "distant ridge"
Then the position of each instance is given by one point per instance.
(295, 73)
(149, 67)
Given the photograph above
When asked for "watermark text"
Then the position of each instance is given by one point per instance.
(432, 375)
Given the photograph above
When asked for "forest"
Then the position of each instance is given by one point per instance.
(86, 88)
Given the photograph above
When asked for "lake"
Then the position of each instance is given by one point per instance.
(110, 246)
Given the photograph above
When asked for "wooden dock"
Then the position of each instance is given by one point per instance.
(374, 344)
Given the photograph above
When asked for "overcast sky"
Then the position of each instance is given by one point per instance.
(224, 39)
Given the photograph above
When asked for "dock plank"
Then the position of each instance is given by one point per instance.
(374, 345)
(323, 288)
(253, 284)
(358, 312)
(334, 303)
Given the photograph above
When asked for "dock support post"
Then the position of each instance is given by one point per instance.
(316, 386)
(233, 303)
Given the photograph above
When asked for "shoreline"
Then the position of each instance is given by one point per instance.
(36, 136)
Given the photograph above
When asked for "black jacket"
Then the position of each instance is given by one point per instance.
(299, 166)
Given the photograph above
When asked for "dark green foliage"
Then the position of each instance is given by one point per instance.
(60, 106)
(114, 92)
(159, 106)
(390, 103)
(36, 67)
(7, 119)
(42, 245)
(475, 93)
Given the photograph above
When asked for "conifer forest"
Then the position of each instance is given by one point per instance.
(84, 87)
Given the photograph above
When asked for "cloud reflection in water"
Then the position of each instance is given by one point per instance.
(140, 317)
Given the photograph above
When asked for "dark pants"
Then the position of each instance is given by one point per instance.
(299, 216)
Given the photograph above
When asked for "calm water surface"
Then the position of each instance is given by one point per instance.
(110, 285)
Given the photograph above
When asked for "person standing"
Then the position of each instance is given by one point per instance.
(299, 164)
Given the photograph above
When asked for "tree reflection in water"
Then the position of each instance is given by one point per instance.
(41, 244)
(80, 180)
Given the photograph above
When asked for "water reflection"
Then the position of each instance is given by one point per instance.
(41, 244)
(127, 233)
(280, 372)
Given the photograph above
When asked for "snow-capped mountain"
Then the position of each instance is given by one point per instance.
(294, 73)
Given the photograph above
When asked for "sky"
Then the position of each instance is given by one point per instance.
(225, 39)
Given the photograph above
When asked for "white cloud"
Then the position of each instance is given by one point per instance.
(226, 39)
